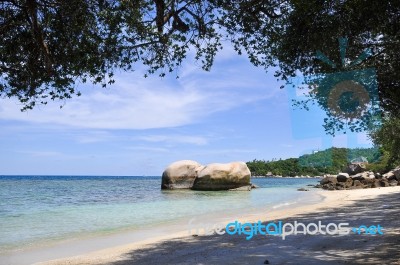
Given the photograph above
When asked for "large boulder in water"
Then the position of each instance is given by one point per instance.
(180, 175)
(222, 177)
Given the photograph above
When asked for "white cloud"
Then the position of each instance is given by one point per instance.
(41, 153)
(197, 140)
(146, 148)
(123, 107)
(226, 151)
(95, 137)
(134, 102)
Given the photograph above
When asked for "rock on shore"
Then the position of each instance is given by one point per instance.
(362, 180)
(188, 174)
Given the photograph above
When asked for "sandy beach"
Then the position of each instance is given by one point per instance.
(356, 207)
(199, 132)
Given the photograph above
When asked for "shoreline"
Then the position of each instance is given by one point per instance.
(332, 201)
(64, 248)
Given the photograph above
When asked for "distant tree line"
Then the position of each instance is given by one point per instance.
(329, 161)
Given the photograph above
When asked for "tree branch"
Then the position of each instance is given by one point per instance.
(38, 35)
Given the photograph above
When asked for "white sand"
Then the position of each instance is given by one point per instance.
(357, 207)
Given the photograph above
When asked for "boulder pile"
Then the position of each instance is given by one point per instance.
(362, 180)
(188, 174)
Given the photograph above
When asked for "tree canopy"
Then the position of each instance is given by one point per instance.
(313, 28)
(49, 46)
(388, 138)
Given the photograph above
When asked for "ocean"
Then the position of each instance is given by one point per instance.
(36, 210)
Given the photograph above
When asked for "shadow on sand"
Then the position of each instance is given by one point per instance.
(299, 249)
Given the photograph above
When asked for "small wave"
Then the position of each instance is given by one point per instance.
(283, 204)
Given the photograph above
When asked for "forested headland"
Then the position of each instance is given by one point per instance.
(329, 161)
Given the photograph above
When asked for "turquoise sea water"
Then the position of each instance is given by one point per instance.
(35, 209)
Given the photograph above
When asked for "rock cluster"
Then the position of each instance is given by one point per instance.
(279, 176)
(366, 179)
(187, 174)
(355, 168)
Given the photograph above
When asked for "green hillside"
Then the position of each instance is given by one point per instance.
(329, 161)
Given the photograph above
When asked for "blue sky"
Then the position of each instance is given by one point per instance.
(140, 125)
